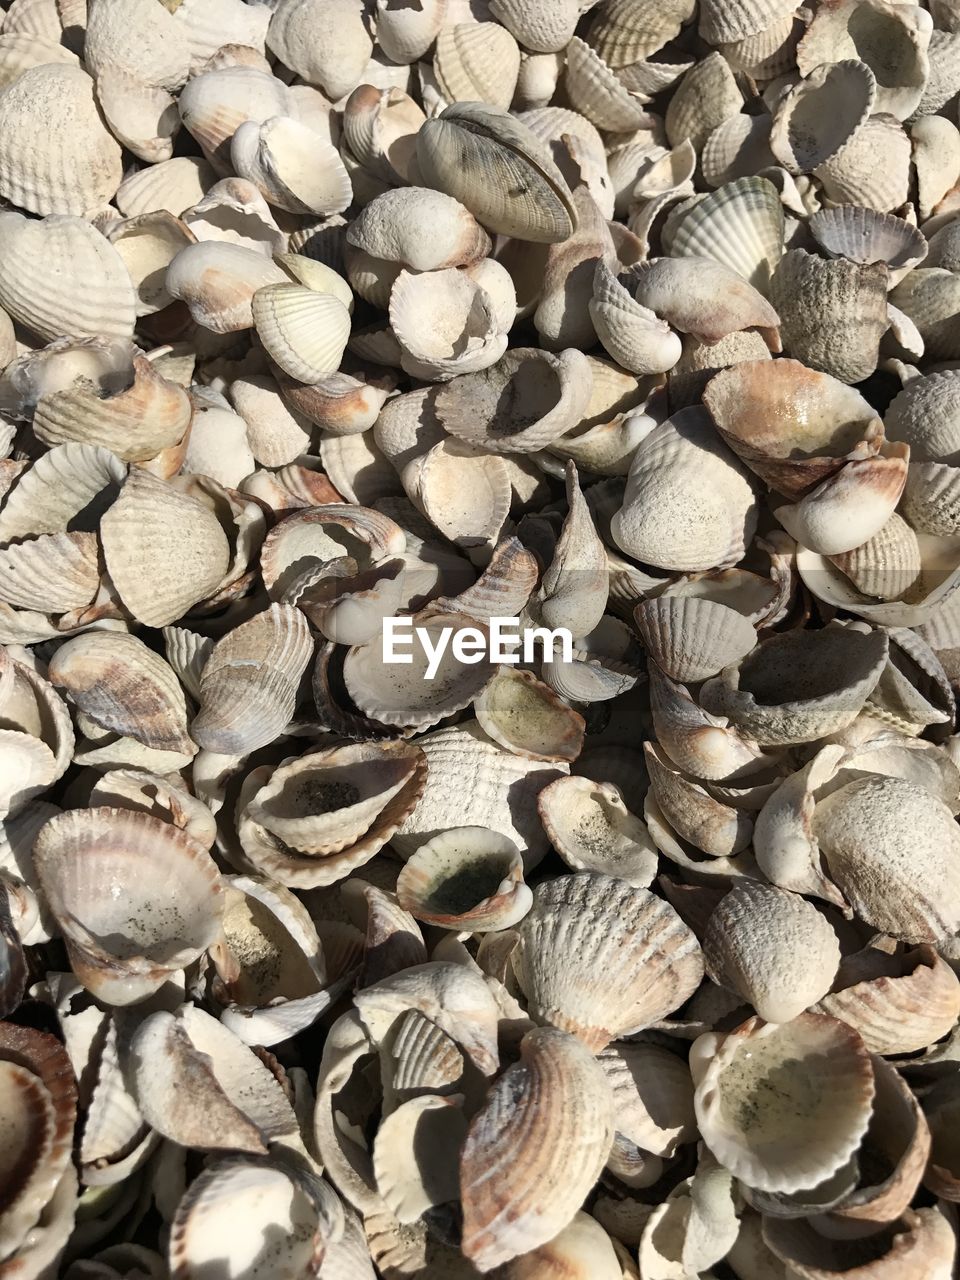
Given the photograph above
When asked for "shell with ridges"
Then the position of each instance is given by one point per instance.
(466, 879)
(477, 62)
(591, 828)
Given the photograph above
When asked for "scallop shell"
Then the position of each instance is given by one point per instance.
(541, 28)
(691, 638)
(737, 148)
(887, 565)
(499, 169)
(56, 154)
(591, 828)
(326, 42)
(864, 235)
(688, 503)
(61, 277)
(581, 931)
(55, 573)
(624, 32)
(740, 225)
(173, 185)
(248, 688)
(596, 92)
(872, 169)
(466, 879)
(821, 114)
(524, 402)
(552, 1106)
(477, 62)
(800, 685)
(135, 898)
(766, 1117)
(305, 332)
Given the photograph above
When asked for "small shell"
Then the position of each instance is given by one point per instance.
(591, 828)
(706, 97)
(527, 718)
(624, 32)
(499, 169)
(56, 155)
(887, 565)
(305, 332)
(799, 685)
(632, 334)
(234, 212)
(446, 323)
(326, 42)
(466, 879)
(596, 92)
(766, 1116)
(819, 115)
(542, 28)
(582, 931)
(415, 1156)
(936, 157)
(477, 62)
(391, 228)
(136, 898)
(547, 1125)
(215, 104)
(688, 504)
(740, 225)
(405, 35)
(863, 235)
(923, 415)
(716, 829)
(872, 169)
(173, 185)
(291, 166)
(524, 402)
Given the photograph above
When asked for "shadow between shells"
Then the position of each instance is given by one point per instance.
(639, 319)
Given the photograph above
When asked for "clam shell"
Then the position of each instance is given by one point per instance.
(766, 1117)
(303, 331)
(214, 104)
(800, 685)
(591, 828)
(61, 277)
(704, 298)
(691, 638)
(148, 244)
(737, 148)
(64, 482)
(55, 573)
(931, 497)
(864, 235)
(291, 166)
(524, 402)
(56, 154)
(467, 879)
(702, 745)
(391, 228)
(652, 1094)
(936, 157)
(218, 282)
(714, 828)
(706, 97)
(416, 1156)
(542, 28)
(406, 35)
(923, 416)
(277, 434)
(499, 169)
(688, 504)
(819, 115)
(173, 185)
(477, 62)
(136, 899)
(581, 931)
(380, 127)
(740, 225)
(21, 50)
(445, 324)
(772, 947)
(526, 717)
(553, 1104)
(326, 42)
(596, 92)
(918, 1245)
(248, 688)
(233, 211)
(887, 565)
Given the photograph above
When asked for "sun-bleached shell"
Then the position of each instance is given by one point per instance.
(327, 44)
(592, 829)
(821, 113)
(305, 332)
(477, 62)
(467, 879)
(631, 333)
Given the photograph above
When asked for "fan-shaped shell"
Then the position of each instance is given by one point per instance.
(632, 334)
(864, 235)
(327, 42)
(477, 62)
(291, 166)
(541, 28)
(624, 32)
(305, 332)
(526, 717)
(691, 638)
(740, 225)
(596, 92)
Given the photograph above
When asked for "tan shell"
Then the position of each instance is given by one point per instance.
(391, 228)
(700, 744)
(525, 716)
(706, 97)
(591, 828)
(173, 185)
(380, 127)
(596, 92)
(704, 822)
(766, 1117)
(916, 1246)
(704, 298)
(632, 334)
(56, 154)
(584, 928)
(477, 62)
(873, 169)
(547, 1124)
(447, 324)
(691, 638)
(218, 282)
(135, 898)
(233, 211)
(624, 32)
(542, 28)
(214, 104)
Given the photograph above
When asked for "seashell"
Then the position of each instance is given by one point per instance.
(303, 331)
(707, 299)
(624, 33)
(737, 148)
(499, 170)
(326, 45)
(936, 159)
(218, 282)
(887, 565)
(172, 185)
(248, 687)
(691, 637)
(380, 127)
(524, 715)
(714, 828)
(214, 104)
(148, 244)
(887, 843)
(821, 114)
(632, 334)
(581, 1249)
(597, 94)
(390, 228)
(863, 235)
(21, 50)
(234, 211)
(666, 173)
(277, 434)
(61, 484)
(922, 416)
(55, 573)
(477, 62)
(850, 176)
(135, 898)
(918, 1244)
(861, 30)
(930, 499)
(591, 828)
(584, 929)
(291, 166)
(494, 409)
(688, 503)
(772, 947)
(445, 324)
(467, 879)
(344, 406)
(808, 1126)
(698, 743)
(223, 24)
(60, 277)
(556, 1078)
(221, 1218)
(929, 297)
(706, 97)
(57, 156)
(740, 225)
(799, 685)
(406, 35)
(411, 1182)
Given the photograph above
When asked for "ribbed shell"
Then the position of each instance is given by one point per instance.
(706, 97)
(632, 334)
(740, 225)
(625, 31)
(327, 42)
(597, 93)
(545, 1130)
(887, 565)
(652, 1095)
(56, 154)
(525, 716)
(690, 638)
(602, 959)
(305, 332)
(390, 228)
(820, 114)
(54, 573)
(924, 415)
(864, 235)
(477, 62)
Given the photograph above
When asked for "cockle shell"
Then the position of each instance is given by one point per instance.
(850, 175)
(702, 821)
(173, 185)
(740, 225)
(391, 226)
(592, 829)
(691, 638)
(446, 323)
(234, 212)
(700, 744)
(631, 333)
(305, 332)
(624, 32)
(596, 92)
(292, 167)
(688, 503)
(612, 927)
(326, 44)
(554, 1102)
(820, 114)
(124, 947)
(706, 97)
(918, 1245)
(477, 62)
(526, 717)
(704, 298)
(766, 1116)
(405, 35)
(218, 282)
(544, 28)
(468, 879)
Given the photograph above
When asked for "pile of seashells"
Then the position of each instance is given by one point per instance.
(638, 319)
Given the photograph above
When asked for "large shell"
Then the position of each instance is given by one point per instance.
(688, 504)
(783, 1106)
(327, 42)
(305, 332)
(547, 1126)
(498, 168)
(585, 928)
(740, 225)
(292, 167)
